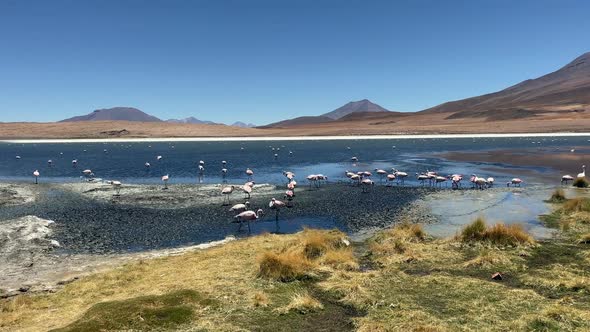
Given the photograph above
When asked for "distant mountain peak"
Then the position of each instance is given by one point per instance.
(364, 105)
(115, 114)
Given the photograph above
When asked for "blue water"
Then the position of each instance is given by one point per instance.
(125, 161)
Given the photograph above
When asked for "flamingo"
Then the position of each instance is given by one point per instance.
(355, 178)
(117, 186)
(289, 175)
(400, 175)
(165, 179)
(367, 185)
(249, 173)
(158, 158)
(248, 216)
(390, 178)
(202, 163)
(289, 194)
(312, 178)
(381, 173)
(247, 189)
(456, 180)
(515, 181)
(201, 170)
(49, 162)
(583, 174)
(88, 173)
(223, 172)
(439, 180)
(74, 162)
(354, 159)
(422, 178)
(147, 165)
(240, 207)
(478, 182)
(276, 205)
(566, 178)
(17, 157)
(36, 175)
(291, 186)
(226, 191)
(490, 181)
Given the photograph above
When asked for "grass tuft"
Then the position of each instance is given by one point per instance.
(318, 242)
(284, 266)
(576, 205)
(498, 234)
(302, 303)
(260, 299)
(558, 196)
(581, 183)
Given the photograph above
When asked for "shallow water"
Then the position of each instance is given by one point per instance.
(87, 225)
(125, 161)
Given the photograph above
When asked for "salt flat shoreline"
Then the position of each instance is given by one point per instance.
(288, 138)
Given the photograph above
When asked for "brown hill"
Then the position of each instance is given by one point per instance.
(115, 114)
(566, 90)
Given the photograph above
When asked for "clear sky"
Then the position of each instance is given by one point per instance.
(263, 61)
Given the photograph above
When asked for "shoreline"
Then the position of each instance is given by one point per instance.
(287, 138)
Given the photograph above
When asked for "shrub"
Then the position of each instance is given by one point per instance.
(577, 205)
(558, 196)
(581, 183)
(317, 242)
(498, 234)
(285, 266)
(474, 231)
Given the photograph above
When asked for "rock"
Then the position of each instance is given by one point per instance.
(497, 276)
(24, 288)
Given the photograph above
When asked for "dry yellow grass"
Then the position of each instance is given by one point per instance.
(302, 303)
(498, 234)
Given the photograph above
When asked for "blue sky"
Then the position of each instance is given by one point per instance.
(263, 61)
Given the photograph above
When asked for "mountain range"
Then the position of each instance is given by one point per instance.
(556, 101)
(135, 115)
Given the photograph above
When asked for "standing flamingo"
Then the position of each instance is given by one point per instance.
(490, 181)
(249, 173)
(289, 197)
(248, 216)
(240, 207)
(247, 189)
(165, 179)
(158, 158)
(514, 182)
(367, 184)
(36, 175)
(74, 162)
(276, 205)
(456, 181)
(147, 165)
(381, 173)
(583, 174)
(566, 178)
(117, 186)
(401, 176)
(439, 180)
(390, 179)
(422, 178)
(226, 191)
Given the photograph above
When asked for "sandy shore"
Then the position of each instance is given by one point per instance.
(289, 138)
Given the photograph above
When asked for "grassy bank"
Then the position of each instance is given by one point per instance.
(401, 279)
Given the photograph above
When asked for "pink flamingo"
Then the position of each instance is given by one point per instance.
(382, 173)
(566, 178)
(247, 189)
(422, 178)
(456, 180)
(400, 175)
(490, 181)
(276, 205)
(514, 182)
(367, 184)
(226, 191)
(248, 216)
(390, 179)
(240, 207)
(165, 179)
(289, 197)
(36, 174)
(249, 173)
(312, 178)
(439, 180)
(583, 174)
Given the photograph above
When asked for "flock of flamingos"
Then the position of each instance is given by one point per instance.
(362, 179)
